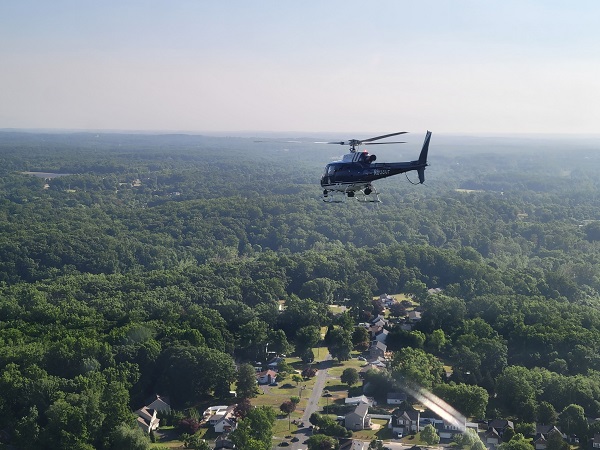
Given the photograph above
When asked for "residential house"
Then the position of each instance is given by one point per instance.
(405, 421)
(377, 323)
(500, 425)
(373, 330)
(388, 300)
(378, 319)
(215, 414)
(547, 429)
(273, 364)
(540, 442)
(358, 400)
(446, 429)
(381, 335)
(147, 419)
(226, 424)
(396, 398)
(541, 436)
(159, 403)
(266, 377)
(359, 419)
(377, 362)
(414, 316)
(377, 349)
(491, 438)
(212, 410)
(224, 421)
(596, 441)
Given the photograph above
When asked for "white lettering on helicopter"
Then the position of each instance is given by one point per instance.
(381, 172)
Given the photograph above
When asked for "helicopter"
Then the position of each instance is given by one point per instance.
(353, 175)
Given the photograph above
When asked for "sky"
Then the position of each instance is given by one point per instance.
(451, 66)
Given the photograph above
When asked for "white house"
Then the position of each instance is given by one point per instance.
(266, 377)
(358, 419)
(358, 400)
(214, 413)
(396, 398)
(147, 419)
(226, 421)
(446, 429)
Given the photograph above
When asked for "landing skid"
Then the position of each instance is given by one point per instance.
(334, 197)
(366, 195)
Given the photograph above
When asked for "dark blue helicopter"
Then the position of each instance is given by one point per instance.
(356, 171)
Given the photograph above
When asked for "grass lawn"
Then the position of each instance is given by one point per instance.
(167, 437)
(382, 433)
(397, 297)
(338, 368)
(337, 309)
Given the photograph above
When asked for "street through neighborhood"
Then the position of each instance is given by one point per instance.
(312, 405)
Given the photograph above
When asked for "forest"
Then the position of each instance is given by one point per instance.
(133, 264)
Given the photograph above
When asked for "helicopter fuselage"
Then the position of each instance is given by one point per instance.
(357, 170)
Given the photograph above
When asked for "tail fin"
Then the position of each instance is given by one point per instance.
(423, 157)
(425, 149)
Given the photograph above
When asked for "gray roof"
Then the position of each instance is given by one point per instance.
(380, 345)
(362, 409)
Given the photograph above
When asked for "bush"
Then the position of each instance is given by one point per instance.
(188, 425)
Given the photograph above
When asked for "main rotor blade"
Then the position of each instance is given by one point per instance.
(279, 141)
(384, 136)
(383, 143)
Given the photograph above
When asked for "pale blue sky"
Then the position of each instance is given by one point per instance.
(454, 66)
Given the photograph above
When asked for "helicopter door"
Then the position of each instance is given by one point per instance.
(330, 170)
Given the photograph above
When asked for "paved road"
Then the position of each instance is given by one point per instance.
(312, 404)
